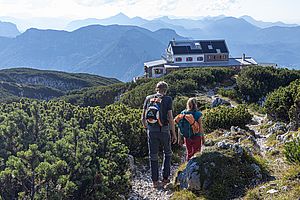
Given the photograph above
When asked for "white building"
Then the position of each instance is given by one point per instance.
(194, 53)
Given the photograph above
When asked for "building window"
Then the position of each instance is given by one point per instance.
(178, 59)
(199, 58)
(158, 71)
(189, 59)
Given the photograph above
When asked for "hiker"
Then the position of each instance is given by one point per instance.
(157, 117)
(190, 129)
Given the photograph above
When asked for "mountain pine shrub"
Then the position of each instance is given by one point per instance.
(280, 104)
(225, 117)
(292, 151)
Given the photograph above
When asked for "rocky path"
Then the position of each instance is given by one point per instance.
(143, 189)
(260, 138)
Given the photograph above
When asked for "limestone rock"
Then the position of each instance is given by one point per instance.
(272, 191)
(217, 101)
(190, 178)
(224, 145)
(277, 127)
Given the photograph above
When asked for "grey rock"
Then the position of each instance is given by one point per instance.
(224, 145)
(292, 126)
(227, 134)
(132, 165)
(272, 191)
(277, 127)
(251, 138)
(217, 101)
(190, 178)
(284, 188)
(238, 149)
(257, 170)
(233, 129)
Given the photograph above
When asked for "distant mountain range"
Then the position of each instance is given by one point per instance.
(265, 41)
(263, 24)
(120, 50)
(113, 51)
(8, 29)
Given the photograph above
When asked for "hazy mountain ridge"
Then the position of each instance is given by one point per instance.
(8, 29)
(120, 50)
(262, 40)
(263, 24)
(94, 49)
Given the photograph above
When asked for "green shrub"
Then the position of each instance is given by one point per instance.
(230, 93)
(96, 96)
(184, 195)
(225, 117)
(66, 151)
(179, 104)
(254, 107)
(185, 82)
(256, 82)
(292, 151)
(280, 103)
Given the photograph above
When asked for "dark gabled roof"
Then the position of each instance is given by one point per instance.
(198, 46)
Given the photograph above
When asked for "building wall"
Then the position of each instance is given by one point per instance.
(216, 57)
(205, 58)
(194, 58)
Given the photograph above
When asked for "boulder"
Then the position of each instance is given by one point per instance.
(220, 170)
(189, 178)
(224, 145)
(292, 126)
(238, 149)
(257, 171)
(227, 134)
(237, 130)
(217, 101)
(272, 191)
(276, 128)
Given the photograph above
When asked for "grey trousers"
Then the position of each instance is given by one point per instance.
(155, 138)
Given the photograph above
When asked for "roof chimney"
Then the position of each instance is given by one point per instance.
(244, 57)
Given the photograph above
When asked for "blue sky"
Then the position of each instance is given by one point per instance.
(266, 10)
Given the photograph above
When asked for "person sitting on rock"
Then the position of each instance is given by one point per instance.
(157, 117)
(190, 129)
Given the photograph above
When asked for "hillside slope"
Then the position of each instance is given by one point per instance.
(40, 84)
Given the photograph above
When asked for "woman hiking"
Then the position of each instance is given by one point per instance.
(190, 128)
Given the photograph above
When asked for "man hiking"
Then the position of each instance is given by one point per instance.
(157, 117)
